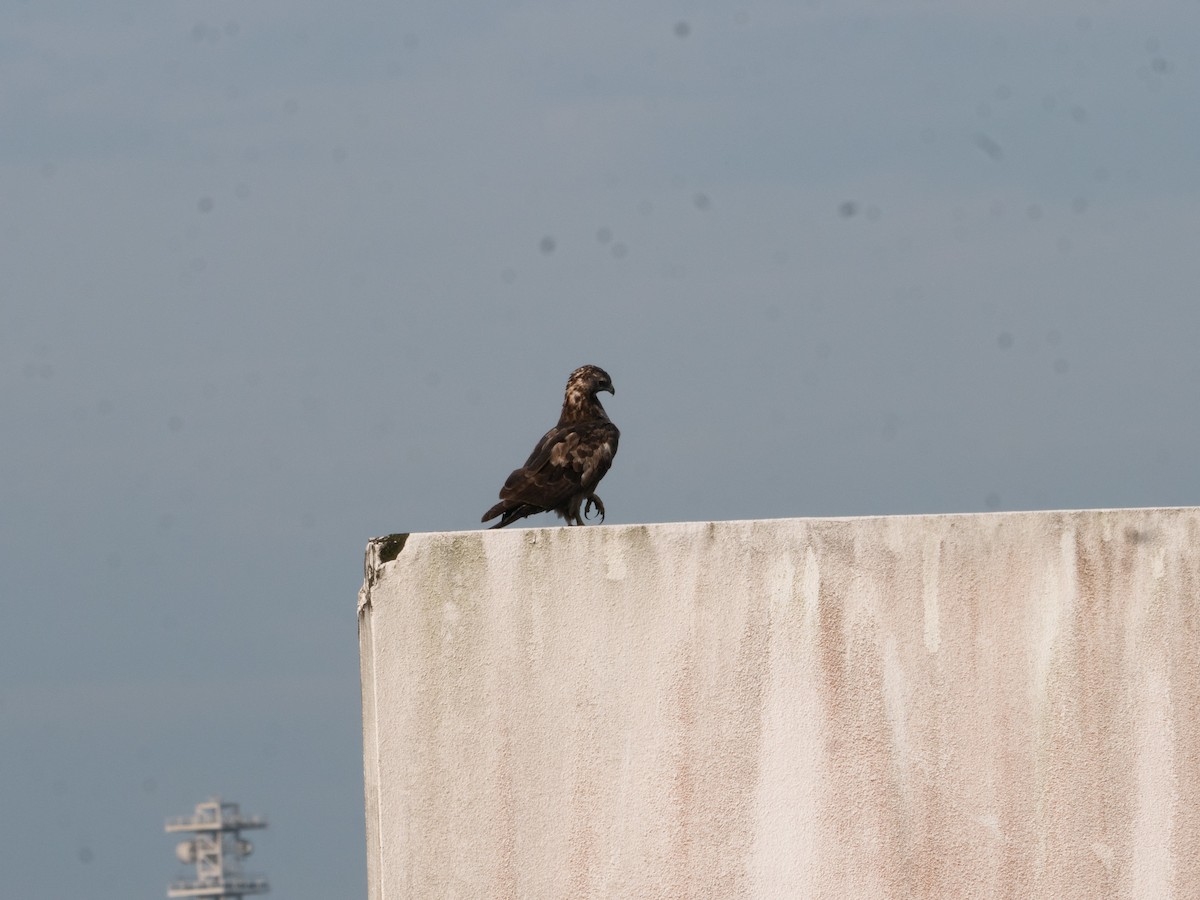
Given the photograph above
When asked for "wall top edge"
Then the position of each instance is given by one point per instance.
(387, 540)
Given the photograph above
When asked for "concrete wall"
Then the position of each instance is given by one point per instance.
(997, 705)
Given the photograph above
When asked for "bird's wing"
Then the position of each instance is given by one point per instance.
(567, 460)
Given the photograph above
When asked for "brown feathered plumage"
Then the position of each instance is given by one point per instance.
(563, 470)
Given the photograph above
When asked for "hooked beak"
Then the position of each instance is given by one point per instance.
(612, 390)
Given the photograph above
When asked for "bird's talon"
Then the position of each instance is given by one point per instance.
(596, 503)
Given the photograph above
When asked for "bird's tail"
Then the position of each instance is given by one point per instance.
(509, 514)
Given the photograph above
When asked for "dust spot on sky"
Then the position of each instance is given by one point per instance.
(989, 146)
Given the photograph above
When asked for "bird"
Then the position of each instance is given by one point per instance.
(564, 468)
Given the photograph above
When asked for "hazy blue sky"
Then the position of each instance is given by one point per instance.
(281, 276)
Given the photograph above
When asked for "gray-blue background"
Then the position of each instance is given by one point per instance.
(280, 276)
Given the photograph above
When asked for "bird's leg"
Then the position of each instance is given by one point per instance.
(593, 500)
(571, 511)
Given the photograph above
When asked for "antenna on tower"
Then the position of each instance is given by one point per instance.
(216, 849)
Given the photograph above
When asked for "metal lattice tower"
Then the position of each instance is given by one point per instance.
(217, 850)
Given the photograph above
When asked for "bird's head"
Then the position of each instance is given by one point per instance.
(587, 381)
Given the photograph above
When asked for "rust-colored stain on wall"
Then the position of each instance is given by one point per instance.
(1001, 705)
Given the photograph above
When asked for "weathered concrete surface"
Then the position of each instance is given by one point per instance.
(945, 706)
